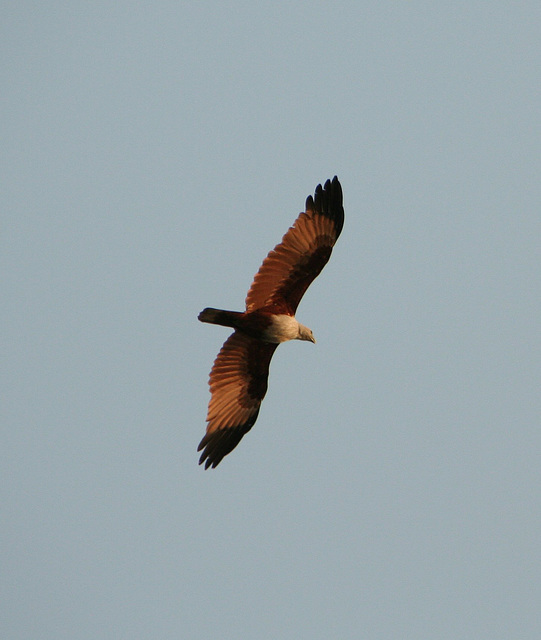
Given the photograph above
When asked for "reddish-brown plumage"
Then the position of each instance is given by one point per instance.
(238, 379)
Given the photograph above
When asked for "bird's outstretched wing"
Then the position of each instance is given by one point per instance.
(292, 265)
(238, 383)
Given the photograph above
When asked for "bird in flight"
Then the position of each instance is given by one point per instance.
(238, 379)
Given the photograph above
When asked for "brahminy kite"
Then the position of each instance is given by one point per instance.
(238, 379)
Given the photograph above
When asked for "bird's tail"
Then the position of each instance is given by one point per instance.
(218, 316)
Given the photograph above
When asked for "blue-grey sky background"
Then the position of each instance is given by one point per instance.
(152, 154)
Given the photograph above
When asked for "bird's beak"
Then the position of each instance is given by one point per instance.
(312, 339)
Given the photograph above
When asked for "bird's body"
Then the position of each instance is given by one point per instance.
(261, 324)
(238, 379)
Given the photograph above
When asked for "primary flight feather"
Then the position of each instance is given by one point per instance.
(238, 379)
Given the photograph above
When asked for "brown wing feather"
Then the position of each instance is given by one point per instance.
(238, 383)
(292, 265)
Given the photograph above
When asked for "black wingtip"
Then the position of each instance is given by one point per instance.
(217, 444)
(327, 201)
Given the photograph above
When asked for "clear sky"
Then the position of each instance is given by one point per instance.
(152, 154)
